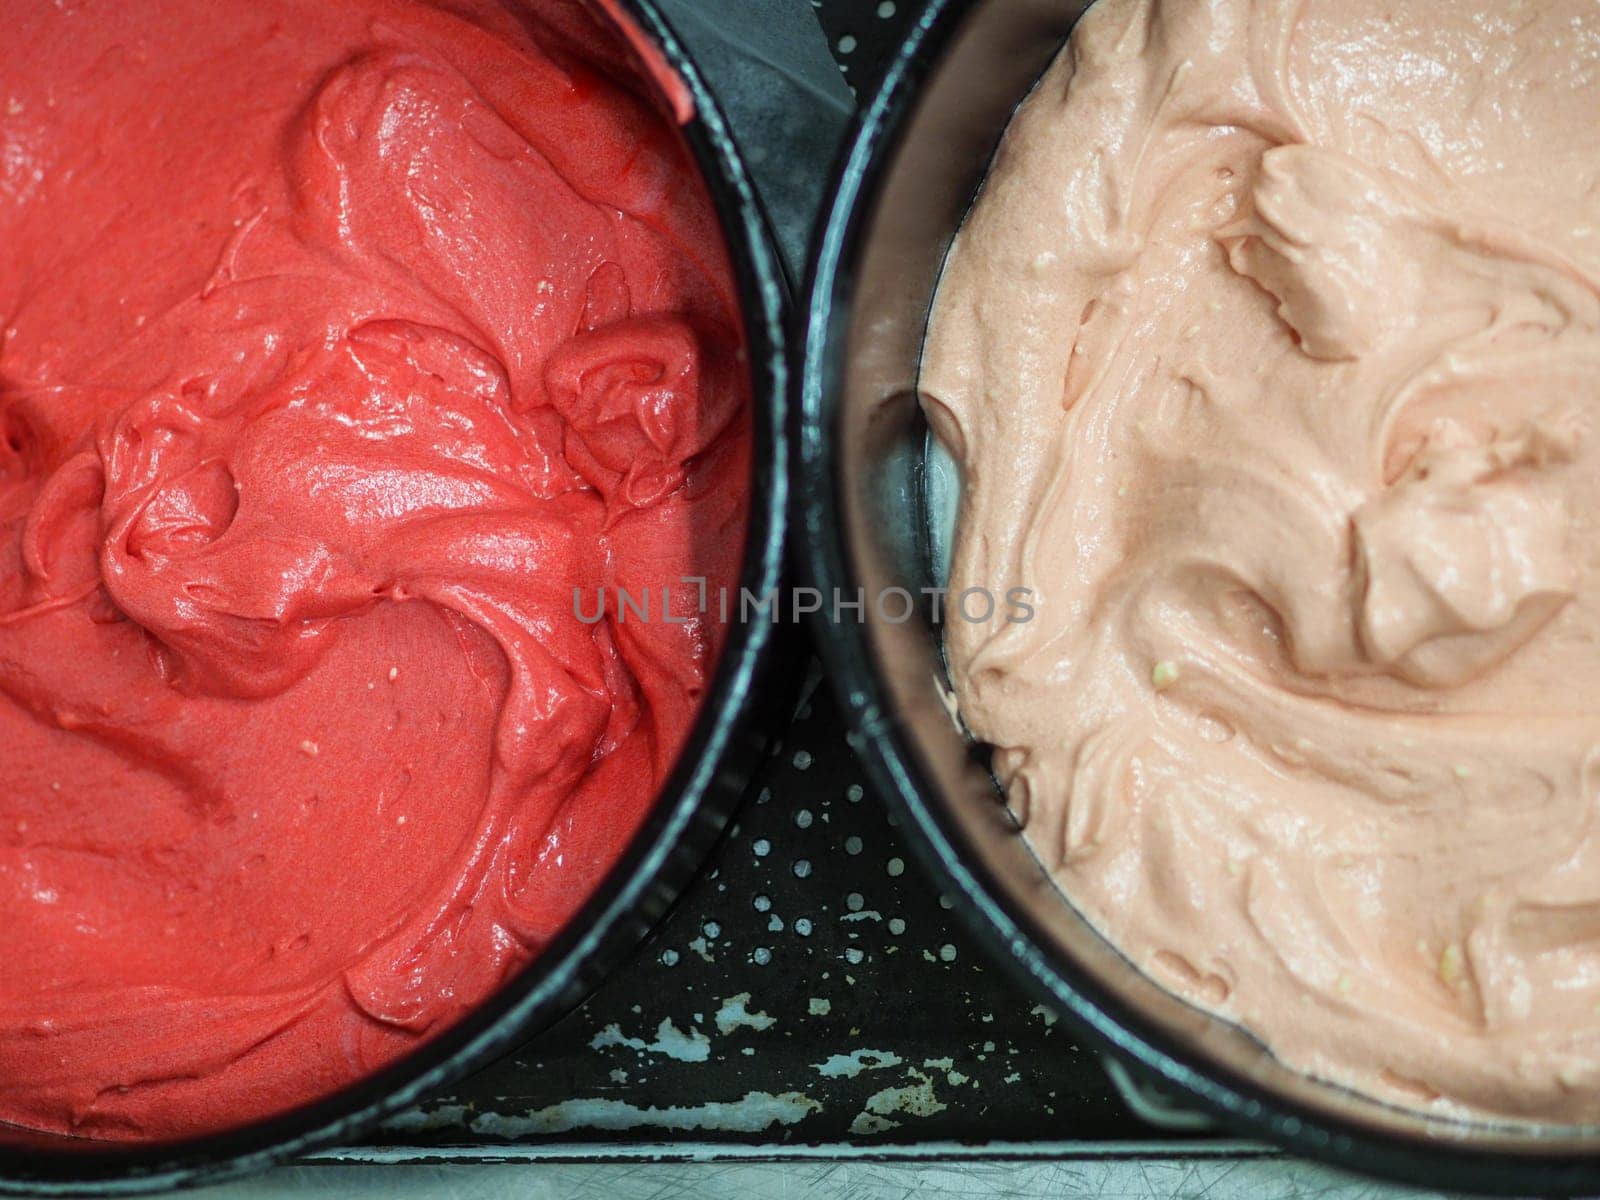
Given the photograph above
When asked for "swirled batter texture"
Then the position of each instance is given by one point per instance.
(1271, 352)
(339, 343)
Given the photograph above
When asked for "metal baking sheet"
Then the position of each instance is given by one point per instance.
(812, 987)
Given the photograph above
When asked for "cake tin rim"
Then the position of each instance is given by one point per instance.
(899, 771)
(664, 855)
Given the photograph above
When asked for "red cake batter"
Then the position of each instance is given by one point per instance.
(339, 343)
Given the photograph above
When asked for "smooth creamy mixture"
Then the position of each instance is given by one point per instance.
(1271, 356)
(339, 342)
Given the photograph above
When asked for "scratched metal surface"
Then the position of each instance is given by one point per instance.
(1213, 1178)
(784, 1034)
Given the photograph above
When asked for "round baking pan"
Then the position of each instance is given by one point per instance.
(716, 763)
(864, 477)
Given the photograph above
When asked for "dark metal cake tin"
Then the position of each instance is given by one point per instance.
(908, 173)
(715, 765)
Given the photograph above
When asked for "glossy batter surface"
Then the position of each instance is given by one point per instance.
(1271, 356)
(339, 343)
